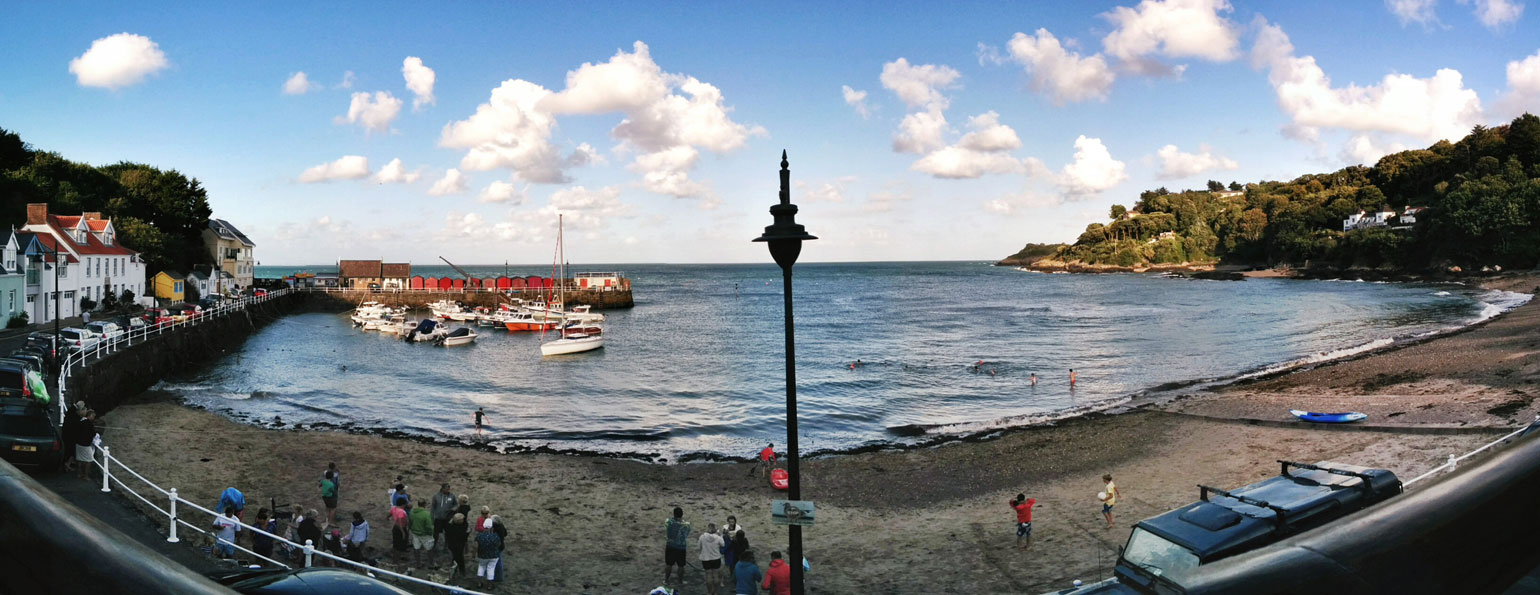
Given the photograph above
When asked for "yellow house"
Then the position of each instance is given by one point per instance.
(169, 286)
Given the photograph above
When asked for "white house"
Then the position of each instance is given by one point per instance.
(1351, 223)
(94, 263)
(1409, 216)
(1362, 220)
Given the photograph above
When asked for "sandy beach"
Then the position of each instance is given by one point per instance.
(928, 520)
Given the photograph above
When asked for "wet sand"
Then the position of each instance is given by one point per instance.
(926, 520)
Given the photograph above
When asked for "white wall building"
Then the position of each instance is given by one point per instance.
(94, 263)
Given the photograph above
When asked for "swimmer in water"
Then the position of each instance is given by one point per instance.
(1072, 376)
(1034, 379)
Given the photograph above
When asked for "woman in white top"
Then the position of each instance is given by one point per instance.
(711, 558)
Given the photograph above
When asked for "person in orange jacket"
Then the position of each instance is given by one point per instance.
(778, 578)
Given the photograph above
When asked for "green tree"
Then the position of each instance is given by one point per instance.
(1117, 212)
(1215, 186)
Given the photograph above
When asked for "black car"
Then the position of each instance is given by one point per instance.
(45, 362)
(13, 379)
(32, 359)
(28, 437)
(302, 581)
(45, 343)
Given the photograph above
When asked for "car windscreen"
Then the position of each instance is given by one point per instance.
(19, 422)
(70, 335)
(1155, 555)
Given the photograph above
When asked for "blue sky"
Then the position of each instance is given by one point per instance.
(983, 125)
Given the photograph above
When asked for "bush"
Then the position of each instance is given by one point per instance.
(17, 321)
(127, 298)
(87, 304)
(109, 302)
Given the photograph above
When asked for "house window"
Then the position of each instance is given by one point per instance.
(69, 295)
(64, 269)
(13, 300)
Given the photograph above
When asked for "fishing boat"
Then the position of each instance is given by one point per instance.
(575, 336)
(583, 313)
(459, 336)
(525, 321)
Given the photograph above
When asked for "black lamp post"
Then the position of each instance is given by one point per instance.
(785, 238)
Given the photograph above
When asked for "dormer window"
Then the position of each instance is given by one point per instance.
(107, 238)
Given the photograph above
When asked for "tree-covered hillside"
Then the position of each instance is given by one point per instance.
(161, 214)
(1481, 200)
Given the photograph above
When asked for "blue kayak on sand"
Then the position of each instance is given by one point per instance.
(1329, 418)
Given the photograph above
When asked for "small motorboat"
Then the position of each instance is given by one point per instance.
(525, 321)
(1329, 418)
(427, 330)
(459, 336)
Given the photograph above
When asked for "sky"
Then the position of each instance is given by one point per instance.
(915, 131)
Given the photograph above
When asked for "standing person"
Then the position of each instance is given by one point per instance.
(1109, 498)
(729, 557)
(357, 535)
(1023, 506)
(85, 318)
(479, 415)
(746, 574)
(739, 547)
(291, 529)
(336, 477)
(225, 526)
(711, 558)
(454, 539)
(489, 548)
(85, 450)
(422, 532)
(1072, 376)
(481, 521)
(677, 531)
(329, 497)
(67, 431)
(444, 504)
(502, 535)
(310, 529)
(1034, 379)
(400, 536)
(262, 544)
(399, 495)
(778, 578)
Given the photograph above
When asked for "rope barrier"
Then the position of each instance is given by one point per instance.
(1453, 460)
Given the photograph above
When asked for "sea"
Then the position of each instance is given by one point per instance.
(886, 354)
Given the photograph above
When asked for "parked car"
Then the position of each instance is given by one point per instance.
(259, 292)
(108, 331)
(32, 359)
(28, 437)
(302, 581)
(44, 342)
(34, 386)
(157, 317)
(13, 380)
(77, 339)
(1221, 524)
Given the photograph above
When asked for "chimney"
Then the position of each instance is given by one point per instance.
(37, 213)
(93, 216)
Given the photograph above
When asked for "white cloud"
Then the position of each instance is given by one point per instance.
(1496, 13)
(1427, 109)
(668, 172)
(1362, 149)
(1523, 87)
(1061, 75)
(918, 86)
(1174, 164)
(510, 132)
(118, 61)
(921, 132)
(348, 78)
(982, 151)
(829, 191)
(350, 167)
(1019, 202)
(585, 209)
(299, 84)
(501, 192)
(1410, 11)
(1173, 29)
(453, 182)
(1092, 171)
(395, 173)
(856, 99)
(419, 80)
(374, 113)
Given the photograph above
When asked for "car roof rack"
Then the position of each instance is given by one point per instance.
(1278, 511)
(1366, 481)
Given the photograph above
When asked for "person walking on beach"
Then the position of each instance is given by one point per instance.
(711, 558)
(778, 578)
(444, 504)
(677, 532)
(357, 535)
(422, 532)
(1109, 498)
(1023, 506)
(766, 460)
(336, 477)
(746, 574)
(454, 538)
(329, 497)
(479, 415)
(489, 547)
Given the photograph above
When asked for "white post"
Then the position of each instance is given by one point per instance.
(309, 550)
(106, 467)
(1451, 462)
(173, 538)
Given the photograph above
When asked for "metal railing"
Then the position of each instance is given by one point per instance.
(128, 337)
(103, 459)
(466, 289)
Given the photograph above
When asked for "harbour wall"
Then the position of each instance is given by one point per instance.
(348, 298)
(106, 382)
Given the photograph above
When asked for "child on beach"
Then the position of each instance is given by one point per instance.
(1023, 507)
(479, 415)
(1109, 498)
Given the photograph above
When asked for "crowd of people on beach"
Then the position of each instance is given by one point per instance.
(725, 558)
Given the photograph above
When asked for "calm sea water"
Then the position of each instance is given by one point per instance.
(697, 364)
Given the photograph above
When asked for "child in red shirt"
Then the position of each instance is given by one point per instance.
(1023, 506)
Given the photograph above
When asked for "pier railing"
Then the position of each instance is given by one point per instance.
(113, 473)
(467, 289)
(133, 336)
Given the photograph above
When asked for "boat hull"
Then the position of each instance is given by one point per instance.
(566, 346)
(529, 326)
